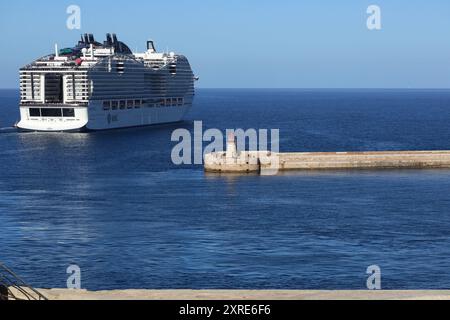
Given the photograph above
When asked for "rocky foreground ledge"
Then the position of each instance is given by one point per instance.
(67, 294)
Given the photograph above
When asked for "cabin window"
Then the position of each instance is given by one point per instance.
(50, 112)
(173, 69)
(114, 105)
(180, 101)
(122, 104)
(35, 112)
(130, 104)
(106, 105)
(68, 112)
(137, 103)
(120, 67)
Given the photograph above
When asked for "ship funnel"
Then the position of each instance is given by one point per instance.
(91, 38)
(108, 39)
(86, 38)
(114, 38)
(151, 46)
(56, 50)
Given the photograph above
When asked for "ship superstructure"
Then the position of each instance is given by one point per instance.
(97, 86)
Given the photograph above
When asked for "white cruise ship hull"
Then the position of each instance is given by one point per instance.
(94, 118)
(100, 119)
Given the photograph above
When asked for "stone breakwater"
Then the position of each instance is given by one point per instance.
(270, 162)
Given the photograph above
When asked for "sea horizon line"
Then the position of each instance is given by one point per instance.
(297, 88)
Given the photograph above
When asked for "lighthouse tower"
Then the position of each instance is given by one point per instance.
(231, 146)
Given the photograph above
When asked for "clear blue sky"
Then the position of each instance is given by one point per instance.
(253, 43)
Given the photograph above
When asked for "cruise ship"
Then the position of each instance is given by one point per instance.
(99, 86)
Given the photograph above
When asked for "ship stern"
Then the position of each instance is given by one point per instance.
(52, 118)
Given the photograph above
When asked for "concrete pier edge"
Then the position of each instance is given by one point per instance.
(68, 294)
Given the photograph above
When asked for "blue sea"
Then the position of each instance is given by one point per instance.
(114, 204)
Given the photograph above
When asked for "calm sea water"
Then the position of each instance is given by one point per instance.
(113, 203)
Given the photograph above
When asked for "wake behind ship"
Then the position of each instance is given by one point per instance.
(95, 86)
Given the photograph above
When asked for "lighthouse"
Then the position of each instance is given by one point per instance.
(231, 151)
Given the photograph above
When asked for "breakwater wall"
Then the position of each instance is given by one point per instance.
(265, 161)
(251, 161)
